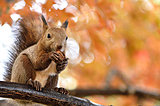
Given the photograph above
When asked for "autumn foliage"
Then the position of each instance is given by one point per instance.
(121, 34)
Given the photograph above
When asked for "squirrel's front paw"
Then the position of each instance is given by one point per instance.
(60, 60)
(35, 84)
(62, 65)
(57, 57)
(61, 90)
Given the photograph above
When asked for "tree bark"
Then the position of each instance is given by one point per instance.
(25, 92)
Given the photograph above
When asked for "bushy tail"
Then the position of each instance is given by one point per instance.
(27, 32)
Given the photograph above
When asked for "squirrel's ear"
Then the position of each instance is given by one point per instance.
(45, 25)
(65, 24)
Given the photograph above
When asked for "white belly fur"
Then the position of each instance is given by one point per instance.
(42, 76)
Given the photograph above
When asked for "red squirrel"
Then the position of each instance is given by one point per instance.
(39, 53)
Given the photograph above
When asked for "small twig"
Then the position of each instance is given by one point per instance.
(24, 92)
(117, 73)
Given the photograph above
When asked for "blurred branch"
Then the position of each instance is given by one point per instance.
(130, 90)
(24, 92)
(136, 92)
(115, 72)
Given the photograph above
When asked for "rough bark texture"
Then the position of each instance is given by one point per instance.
(24, 92)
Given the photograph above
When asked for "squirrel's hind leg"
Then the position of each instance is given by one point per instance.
(52, 83)
(24, 72)
(22, 69)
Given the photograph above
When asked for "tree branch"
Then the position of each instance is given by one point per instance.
(24, 92)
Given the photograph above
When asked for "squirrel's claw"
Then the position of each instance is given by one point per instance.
(61, 90)
(60, 60)
(61, 66)
(56, 57)
(35, 84)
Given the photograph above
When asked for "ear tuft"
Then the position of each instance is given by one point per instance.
(44, 20)
(65, 24)
(45, 25)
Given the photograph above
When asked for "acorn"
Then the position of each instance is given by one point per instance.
(61, 55)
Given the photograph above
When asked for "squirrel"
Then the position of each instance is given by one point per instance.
(38, 55)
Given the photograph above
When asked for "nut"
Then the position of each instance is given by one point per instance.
(61, 55)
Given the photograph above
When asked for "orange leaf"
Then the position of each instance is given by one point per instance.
(29, 2)
(47, 6)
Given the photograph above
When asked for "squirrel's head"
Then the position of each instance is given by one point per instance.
(54, 39)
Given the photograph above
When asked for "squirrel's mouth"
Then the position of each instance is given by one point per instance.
(55, 47)
(58, 48)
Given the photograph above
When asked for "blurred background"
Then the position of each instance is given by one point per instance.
(104, 36)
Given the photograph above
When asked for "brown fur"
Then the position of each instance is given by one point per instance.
(51, 82)
(29, 70)
(28, 30)
(42, 61)
(31, 56)
(33, 51)
(25, 72)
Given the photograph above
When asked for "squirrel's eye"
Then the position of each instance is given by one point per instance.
(66, 37)
(48, 36)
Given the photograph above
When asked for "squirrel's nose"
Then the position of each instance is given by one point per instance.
(59, 47)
